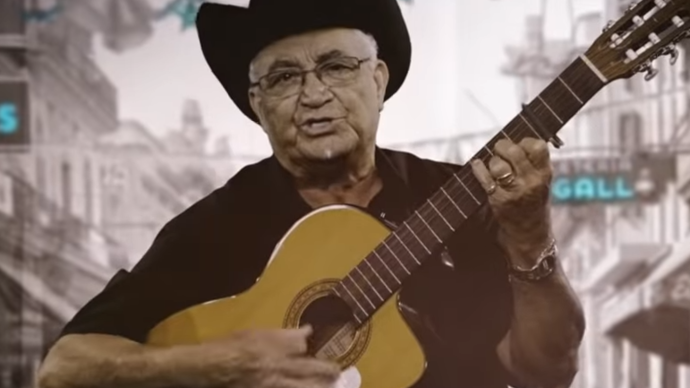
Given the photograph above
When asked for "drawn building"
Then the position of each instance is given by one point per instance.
(627, 258)
(149, 180)
(52, 256)
(641, 323)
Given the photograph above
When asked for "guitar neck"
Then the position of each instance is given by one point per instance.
(420, 237)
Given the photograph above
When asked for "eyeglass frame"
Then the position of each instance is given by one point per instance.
(303, 74)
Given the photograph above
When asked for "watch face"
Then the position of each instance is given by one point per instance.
(542, 270)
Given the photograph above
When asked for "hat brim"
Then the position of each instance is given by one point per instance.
(231, 36)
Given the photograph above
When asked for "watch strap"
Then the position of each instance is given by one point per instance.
(546, 264)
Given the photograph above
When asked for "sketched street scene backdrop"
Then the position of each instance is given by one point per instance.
(111, 124)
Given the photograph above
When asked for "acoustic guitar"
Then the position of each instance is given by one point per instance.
(351, 298)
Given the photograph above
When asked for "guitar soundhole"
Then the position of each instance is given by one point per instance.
(333, 324)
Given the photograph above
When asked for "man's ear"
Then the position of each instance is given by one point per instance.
(255, 103)
(381, 77)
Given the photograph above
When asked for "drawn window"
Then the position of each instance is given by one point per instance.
(41, 175)
(630, 136)
(670, 374)
(633, 85)
(66, 178)
(88, 192)
(630, 139)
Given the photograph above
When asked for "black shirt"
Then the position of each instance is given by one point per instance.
(459, 305)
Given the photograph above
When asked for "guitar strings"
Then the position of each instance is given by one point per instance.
(514, 132)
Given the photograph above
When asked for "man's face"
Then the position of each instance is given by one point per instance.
(319, 119)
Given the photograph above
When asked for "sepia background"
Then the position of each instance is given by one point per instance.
(111, 124)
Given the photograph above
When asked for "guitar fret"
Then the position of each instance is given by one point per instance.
(467, 189)
(369, 283)
(587, 85)
(378, 276)
(561, 104)
(453, 202)
(396, 257)
(567, 93)
(417, 237)
(441, 215)
(546, 118)
(550, 110)
(406, 248)
(353, 299)
(531, 127)
(387, 267)
(361, 290)
(543, 117)
(570, 90)
(427, 225)
(594, 69)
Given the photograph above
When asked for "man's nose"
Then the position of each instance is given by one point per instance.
(314, 91)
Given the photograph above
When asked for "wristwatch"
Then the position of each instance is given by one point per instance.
(546, 263)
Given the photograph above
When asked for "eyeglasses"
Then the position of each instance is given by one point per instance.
(334, 72)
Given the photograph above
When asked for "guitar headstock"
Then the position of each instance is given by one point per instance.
(647, 30)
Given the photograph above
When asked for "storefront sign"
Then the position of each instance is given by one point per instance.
(14, 113)
(9, 118)
(11, 20)
(620, 179)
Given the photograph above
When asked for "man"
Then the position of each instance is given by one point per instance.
(494, 310)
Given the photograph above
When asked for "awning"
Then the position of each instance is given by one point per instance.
(663, 325)
(663, 330)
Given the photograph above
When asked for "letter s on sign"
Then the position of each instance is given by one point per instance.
(9, 118)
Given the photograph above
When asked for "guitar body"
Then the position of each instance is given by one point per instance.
(294, 289)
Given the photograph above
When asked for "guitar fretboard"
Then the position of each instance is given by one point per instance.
(420, 236)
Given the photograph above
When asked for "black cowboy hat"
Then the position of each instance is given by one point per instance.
(231, 36)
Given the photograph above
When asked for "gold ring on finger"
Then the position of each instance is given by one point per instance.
(506, 179)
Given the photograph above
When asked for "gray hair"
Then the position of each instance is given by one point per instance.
(373, 43)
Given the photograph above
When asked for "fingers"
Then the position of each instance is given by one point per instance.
(537, 151)
(515, 155)
(289, 383)
(291, 341)
(284, 342)
(499, 168)
(481, 172)
(301, 368)
(301, 373)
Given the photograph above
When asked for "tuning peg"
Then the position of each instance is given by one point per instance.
(609, 24)
(671, 50)
(674, 55)
(666, 50)
(651, 73)
(677, 21)
(681, 37)
(647, 67)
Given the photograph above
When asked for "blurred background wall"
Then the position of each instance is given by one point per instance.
(111, 124)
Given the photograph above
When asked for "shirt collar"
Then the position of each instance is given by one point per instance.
(283, 192)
